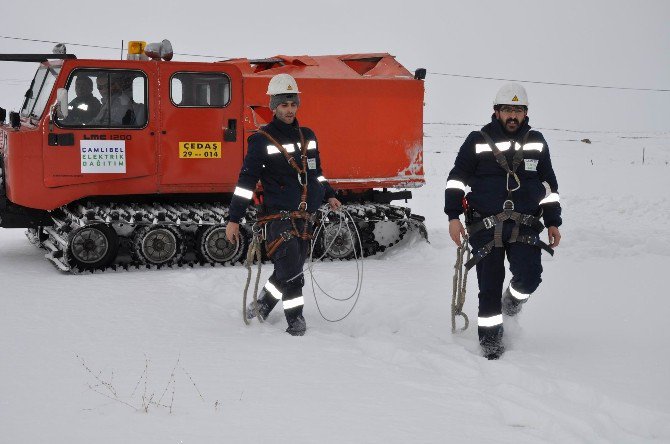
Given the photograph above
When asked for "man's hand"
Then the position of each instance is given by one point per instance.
(334, 203)
(554, 236)
(456, 231)
(233, 232)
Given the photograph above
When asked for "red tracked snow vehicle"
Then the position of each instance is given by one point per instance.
(150, 186)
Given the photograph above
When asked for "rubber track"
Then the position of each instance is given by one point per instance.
(189, 219)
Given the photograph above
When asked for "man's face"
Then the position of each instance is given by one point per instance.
(511, 117)
(82, 87)
(286, 112)
(103, 86)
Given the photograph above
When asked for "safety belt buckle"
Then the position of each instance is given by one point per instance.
(286, 235)
(488, 222)
(508, 205)
(285, 215)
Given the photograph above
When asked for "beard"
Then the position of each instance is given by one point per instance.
(512, 120)
(515, 125)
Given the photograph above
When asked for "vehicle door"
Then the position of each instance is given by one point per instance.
(201, 131)
(108, 134)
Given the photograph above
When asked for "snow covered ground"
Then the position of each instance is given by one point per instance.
(82, 356)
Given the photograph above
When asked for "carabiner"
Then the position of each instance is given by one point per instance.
(518, 182)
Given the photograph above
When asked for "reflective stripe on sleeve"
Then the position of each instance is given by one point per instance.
(491, 321)
(274, 291)
(321, 179)
(518, 295)
(242, 192)
(553, 197)
(311, 145)
(295, 302)
(455, 184)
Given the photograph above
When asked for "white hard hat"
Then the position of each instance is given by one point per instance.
(282, 84)
(511, 94)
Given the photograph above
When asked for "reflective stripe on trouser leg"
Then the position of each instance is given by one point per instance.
(490, 329)
(288, 263)
(521, 297)
(270, 294)
(293, 306)
(525, 263)
(490, 276)
(273, 290)
(491, 321)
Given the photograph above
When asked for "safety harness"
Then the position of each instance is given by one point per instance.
(301, 213)
(254, 252)
(496, 221)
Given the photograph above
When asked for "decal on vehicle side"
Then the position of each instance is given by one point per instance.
(199, 150)
(103, 156)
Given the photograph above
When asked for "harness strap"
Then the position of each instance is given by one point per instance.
(271, 247)
(285, 215)
(535, 240)
(285, 236)
(479, 255)
(500, 157)
(492, 221)
(290, 159)
(497, 236)
(516, 217)
(502, 160)
(523, 239)
(301, 170)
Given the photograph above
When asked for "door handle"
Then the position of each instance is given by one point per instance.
(230, 133)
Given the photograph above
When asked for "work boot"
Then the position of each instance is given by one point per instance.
(493, 350)
(492, 345)
(263, 309)
(297, 326)
(511, 306)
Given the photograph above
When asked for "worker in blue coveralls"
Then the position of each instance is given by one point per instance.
(513, 188)
(285, 157)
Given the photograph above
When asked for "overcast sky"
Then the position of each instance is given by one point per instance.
(610, 43)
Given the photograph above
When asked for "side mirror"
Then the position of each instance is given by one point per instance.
(61, 103)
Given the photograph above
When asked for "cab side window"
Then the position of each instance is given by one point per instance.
(106, 99)
(200, 89)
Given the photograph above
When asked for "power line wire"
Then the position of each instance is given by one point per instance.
(115, 48)
(478, 125)
(429, 72)
(550, 83)
(50, 41)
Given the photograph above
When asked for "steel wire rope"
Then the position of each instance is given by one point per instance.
(343, 216)
(359, 271)
(356, 260)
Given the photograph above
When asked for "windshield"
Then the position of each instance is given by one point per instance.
(39, 92)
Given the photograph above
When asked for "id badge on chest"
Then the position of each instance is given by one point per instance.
(311, 164)
(531, 164)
